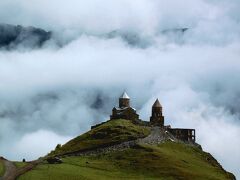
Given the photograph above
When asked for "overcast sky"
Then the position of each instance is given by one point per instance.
(52, 94)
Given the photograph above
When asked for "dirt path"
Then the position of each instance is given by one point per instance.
(10, 170)
(157, 136)
(28, 167)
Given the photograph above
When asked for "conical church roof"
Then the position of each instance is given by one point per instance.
(157, 104)
(124, 96)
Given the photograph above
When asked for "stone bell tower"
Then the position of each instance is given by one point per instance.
(124, 100)
(157, 118)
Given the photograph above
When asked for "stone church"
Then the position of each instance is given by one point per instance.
(125, 111)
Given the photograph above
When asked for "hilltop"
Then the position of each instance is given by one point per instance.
(120, 149)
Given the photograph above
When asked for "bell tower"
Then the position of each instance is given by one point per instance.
(157, 118)
(124, 100)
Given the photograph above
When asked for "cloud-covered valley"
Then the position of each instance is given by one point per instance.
(99, 49)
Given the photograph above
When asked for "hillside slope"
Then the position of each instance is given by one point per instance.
(112, 132)
(167, 160)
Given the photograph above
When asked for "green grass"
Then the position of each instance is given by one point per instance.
(20, 164)
(2, 168)
(168, 161)
(112, 132)
(77, 168)
(172, 160)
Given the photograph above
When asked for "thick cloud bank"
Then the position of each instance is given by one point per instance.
(100, 48)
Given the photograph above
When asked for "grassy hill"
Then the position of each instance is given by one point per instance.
(112, 132)
(168, 160)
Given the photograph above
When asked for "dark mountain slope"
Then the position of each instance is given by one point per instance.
(29, 37)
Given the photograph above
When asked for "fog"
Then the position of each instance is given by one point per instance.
(99, 49)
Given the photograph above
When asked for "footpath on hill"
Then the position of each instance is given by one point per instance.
(157, 136)
(12, 172)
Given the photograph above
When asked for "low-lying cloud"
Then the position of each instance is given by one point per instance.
(61, 89)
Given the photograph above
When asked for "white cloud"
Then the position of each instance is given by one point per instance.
(41, 142)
